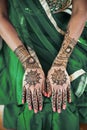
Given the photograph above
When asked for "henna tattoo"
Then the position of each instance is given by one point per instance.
(40, 98)
(53, 99)
(25, 57)
(33, 54)
(59, 77)
(65, 51)
(69, 93)
(48, 86)
(31, 63)
(59, 99)
(35, 104)
(29, 97)
(22, 53)
(64, 97)
(32, 77)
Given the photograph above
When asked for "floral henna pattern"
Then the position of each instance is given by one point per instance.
(59, 77)
(32, 78)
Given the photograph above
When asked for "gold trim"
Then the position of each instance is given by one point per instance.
(48, 12)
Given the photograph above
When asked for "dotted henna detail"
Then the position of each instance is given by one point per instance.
(35, 106)
(32, 78)
(59, 77)
(40, 98)
(59, 99)
(53, 98)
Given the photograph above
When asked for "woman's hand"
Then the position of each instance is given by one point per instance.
(58, 85)
(33, 79)
(33, 86)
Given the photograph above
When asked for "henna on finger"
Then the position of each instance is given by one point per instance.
(34, 100)
(64, 102)
(40, 100)
(59, 100)
(54, 100)
(69, 93)
(24, 95)
(29, 98)
(48, 87)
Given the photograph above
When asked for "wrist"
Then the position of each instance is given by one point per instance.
(65, 51)
(25, 57)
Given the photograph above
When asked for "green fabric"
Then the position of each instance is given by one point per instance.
(35, 29)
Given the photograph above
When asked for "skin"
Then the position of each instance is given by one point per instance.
(9, 34)
(75, 28)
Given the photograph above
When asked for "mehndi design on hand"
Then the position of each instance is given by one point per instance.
(65, 51)
(58, 77)
(58, 81)
(33, 80)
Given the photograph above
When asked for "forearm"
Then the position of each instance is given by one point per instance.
(74, 30)
(27, 57)
(9, 34)
(76, 25)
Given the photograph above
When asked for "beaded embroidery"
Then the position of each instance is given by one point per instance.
(58, 5)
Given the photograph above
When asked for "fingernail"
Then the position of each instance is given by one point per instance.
(64, 107)
(69, 100)
(40, 108)
(35, 111)
(48, 95)
(59, 111)
(22, 101)
(30, 108)
(54, 109)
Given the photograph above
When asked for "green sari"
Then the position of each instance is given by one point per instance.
(37, 31)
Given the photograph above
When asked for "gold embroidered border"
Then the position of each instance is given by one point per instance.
(48, 12)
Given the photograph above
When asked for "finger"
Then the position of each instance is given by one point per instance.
(44, 91)
(69, 93)
(29, 98)
(59, 100)
(40, 100)
(64, 99)
(34, 100)
(23, 95)
(49, 91)
(54, 100)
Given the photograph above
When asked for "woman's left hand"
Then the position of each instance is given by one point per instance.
(58, 85)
